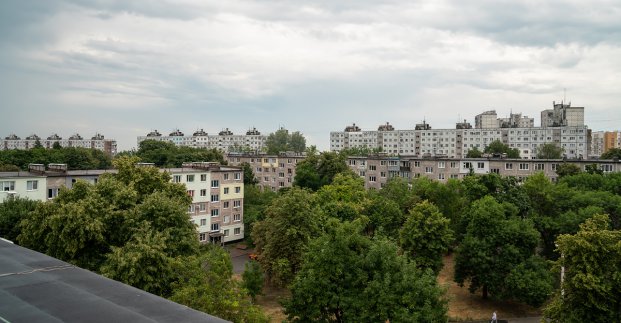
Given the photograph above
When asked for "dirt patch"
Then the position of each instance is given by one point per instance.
(464, 306)
(270, 302)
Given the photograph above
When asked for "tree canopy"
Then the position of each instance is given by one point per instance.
(281, 141)
(549, 151)
(497, 147)
(75, 158)
(612, 153)
(166, 154)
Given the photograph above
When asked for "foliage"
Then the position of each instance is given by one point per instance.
(168, 155)
(212, 290)
(549, 151)
(13, 210)
(426, 236)
(474, 152)
(256, 201)
(345, 198)
(591, 289)
(492, 250)
(316, 171)
(249, 178)
(281, 239)
(347, 277)
(612, 153)
(281, 141)
(74, 157)
(90, 223)
(497, 147)
(252, 278)
(385, 216)
(567, 169)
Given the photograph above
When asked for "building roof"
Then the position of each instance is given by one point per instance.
(38, 288)
(19, 174)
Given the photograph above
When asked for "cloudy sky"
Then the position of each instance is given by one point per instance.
(124, 68)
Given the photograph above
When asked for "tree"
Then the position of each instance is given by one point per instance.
(593, 169)
(612, 153)
(12, 211)
(345, 198)
(497, 147)
(497, 247)
(249, 178)
(166, 154)
(297, 142)
(549, 151)
(291, 223)
(474, 153)
(256, 201)
(591, 287)
(567, 169)
(252, 279)
(348, 277)
(211, 289)
(315, 171)
(426, 236)
(385, 216)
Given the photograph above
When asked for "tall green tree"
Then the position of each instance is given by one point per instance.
(567, 169)
(282, 140)
(426, 236)
(549, 151)
(316, 171)
(348, 277)
(291, 222)
(12, 211)
(591, 286)
(493, 249)
(252, 279)
(166, 154)
(474, 153)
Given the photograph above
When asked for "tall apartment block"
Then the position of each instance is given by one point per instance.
(98, 141)
(272, 172)
(602, 141)
(224, 141)
(516, 131)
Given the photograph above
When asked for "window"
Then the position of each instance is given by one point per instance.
(203, 177)
(203, 221)
(372, 178)
(382, 174)
(372, 167)
(237, 217)
(177, 179)
(553, 166)
(203, 192)
(467, 165)
(202, 237)
(416, 164)
(441, 176)
(215, 198)
(226, 176)
(495, 170)
(454, 176)
(32, 185)
(480, 165)
(237, 176)
(539, 166)
(523, 166)
(226, 190)
(215, 212)
(191, 208)
(215, 227)
(428, 169)
(237, 231)
(226, 205)
(191, 193)
(189, 178)
(606, 168)
(227, 219)
(237, 189)
(508, 165)
(226, 232)
(236, 204)
(441, 164)
(215, 183)
(202, 207)
(453, 164)
(51, 192)
(281, 175)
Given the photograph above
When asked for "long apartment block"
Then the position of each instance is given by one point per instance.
(224, 141)
(98, 141)
(217, 193)
(563, 126)
(274, 172)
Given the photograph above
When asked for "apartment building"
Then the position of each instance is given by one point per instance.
(225, 140)
(272, 172)
(217, 199)
(22, 184)
(564, 128)
(98, 141)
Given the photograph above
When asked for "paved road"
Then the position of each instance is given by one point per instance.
(238, 258)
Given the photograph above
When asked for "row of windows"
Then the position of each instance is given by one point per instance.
(216, 227)
(6, 186)
(214, 183)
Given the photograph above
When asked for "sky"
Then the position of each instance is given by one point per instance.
(124, 68)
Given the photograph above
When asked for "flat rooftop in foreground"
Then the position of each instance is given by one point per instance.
(38, 288)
